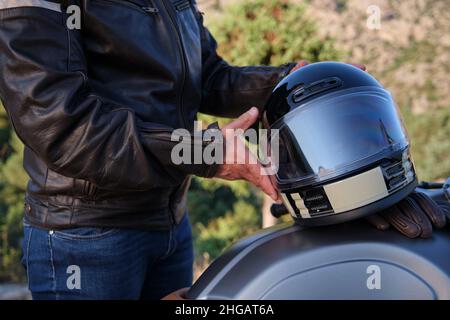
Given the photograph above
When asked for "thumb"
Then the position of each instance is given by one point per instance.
(245, 120)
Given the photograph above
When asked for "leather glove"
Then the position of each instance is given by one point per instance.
(445, 206)
(414, 216)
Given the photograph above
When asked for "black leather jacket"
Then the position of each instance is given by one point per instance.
(95, 106)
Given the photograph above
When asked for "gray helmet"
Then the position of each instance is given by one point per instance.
(344, 152)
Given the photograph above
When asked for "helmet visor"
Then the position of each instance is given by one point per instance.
(336, 134)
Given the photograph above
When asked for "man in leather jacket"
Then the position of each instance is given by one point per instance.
(95, 107)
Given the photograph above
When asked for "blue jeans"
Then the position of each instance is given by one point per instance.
(98, 263)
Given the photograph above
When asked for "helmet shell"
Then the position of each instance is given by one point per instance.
(344, 152)
(313, 81)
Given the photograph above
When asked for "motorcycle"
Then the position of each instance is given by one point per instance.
(351, 260)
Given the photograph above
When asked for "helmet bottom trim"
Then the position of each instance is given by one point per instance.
(362, 211)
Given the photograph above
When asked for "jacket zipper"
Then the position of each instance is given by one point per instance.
(183, 65)
(131, 4)
(153, 10)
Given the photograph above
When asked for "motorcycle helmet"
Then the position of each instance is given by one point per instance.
(343, 149)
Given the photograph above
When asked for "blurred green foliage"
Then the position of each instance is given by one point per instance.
(429, 133)
(258, 32)
(269, 32)
(12, 187)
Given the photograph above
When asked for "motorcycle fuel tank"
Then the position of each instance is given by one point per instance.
(346, 261)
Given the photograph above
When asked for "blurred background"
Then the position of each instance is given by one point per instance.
(405, 44)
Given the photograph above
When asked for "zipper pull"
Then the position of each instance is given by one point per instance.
(150, 9)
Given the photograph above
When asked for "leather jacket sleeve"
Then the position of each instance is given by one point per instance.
(46, 91)
(229, 91)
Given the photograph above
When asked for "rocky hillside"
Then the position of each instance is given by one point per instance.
(409, 53)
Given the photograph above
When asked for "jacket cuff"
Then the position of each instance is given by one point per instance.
(210, 170)
(203, 169)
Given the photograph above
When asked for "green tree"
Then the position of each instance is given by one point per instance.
(270, 32)
(12, 186)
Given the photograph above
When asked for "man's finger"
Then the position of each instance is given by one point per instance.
(359, 66)
(254, 176)
(268, 188)
(275, 195)
(244, 121)
(265, 179)
(299, 65)
(177, 295)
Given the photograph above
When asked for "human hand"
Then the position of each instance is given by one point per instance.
(180, 294)
(239, 161)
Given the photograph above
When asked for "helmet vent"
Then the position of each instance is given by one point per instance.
(396, 173)
(305, 92)
(316, 201)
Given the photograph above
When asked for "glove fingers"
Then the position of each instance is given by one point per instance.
(445, 207)
(378, 222)
(401, 222)
(413, 211)
(430, 208)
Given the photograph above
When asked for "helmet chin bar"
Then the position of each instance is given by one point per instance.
(352, 197)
